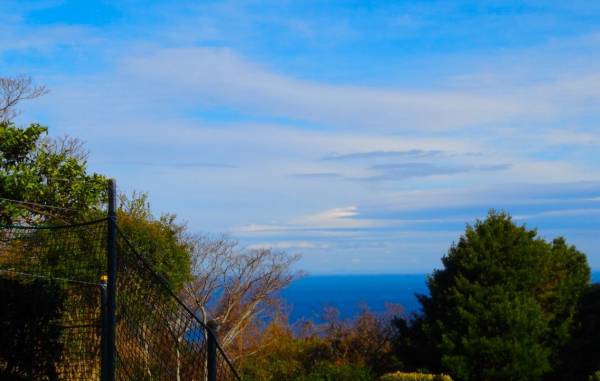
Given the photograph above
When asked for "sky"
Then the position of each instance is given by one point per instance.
(363, 135)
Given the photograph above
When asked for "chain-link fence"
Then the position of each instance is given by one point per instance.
(52, 298)
(50, 307)
(159, 338)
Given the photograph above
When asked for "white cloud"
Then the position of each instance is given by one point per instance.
(288, 245)
(219, 75)
(336, 218)
(559, 213)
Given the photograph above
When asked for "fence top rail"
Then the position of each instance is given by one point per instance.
(51, 227)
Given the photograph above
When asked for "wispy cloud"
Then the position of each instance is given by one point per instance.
(288, 245)
(220, 75)
(330, 219)
(317, 175)
(167, 164)
(559, 213)
(406, 170)
(413, 153)
(337, 217)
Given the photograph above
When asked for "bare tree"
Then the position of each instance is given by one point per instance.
(66, 146)
(16, 89)
(236, 288)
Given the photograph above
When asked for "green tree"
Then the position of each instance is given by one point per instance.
(163, 241)
(36, 170)
(502, 306)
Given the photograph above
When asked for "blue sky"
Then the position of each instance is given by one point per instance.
(364, 135)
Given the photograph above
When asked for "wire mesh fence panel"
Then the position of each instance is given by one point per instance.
(225, 369)
(158, 338)
(82, 332)
(75, 252)
(51, 310)
(50, 301)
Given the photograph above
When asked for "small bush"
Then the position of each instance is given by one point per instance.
(333, 372)
(402, 376)
(594, 376)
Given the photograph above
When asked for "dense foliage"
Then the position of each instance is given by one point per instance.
(30, 329)
(403, 376)
(162, 240)
(357, 349)
(35, 170)
(581, 356)
(302, 359)
(502, 306)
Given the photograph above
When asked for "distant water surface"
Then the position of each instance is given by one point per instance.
(307, 297)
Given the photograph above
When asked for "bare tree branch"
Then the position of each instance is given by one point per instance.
(68, 146)
(16, 89)
(236, 288)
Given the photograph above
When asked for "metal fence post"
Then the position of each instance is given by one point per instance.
(103, 329)
(111, 286)
(211, 351)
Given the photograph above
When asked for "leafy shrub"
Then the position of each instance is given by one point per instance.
(287, 358)
(595, 376)
(353, 350)
(402, 376)
(333, 372)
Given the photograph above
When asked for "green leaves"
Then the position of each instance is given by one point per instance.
(162, 240)
(34, 170)
(16, 144)
(502, 306)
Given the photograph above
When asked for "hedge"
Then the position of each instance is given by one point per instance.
(402, 376)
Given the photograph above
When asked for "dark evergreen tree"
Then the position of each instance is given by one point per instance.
(501, 307)
(581, 356)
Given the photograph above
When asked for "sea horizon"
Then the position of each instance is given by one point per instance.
(307, 297)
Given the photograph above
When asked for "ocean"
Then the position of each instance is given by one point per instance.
(306, 298)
